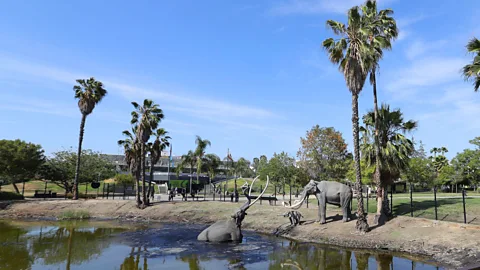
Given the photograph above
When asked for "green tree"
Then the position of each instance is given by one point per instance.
(438, 159)
(395, 149)
(367, 172)
(19, 161)
(131, 148)
(211, 164)
(155, 149)
(381, 30)
(351, 52)
(189, 160)
(124, 179)
(472, 71)
(255, 164)
(323, 153)
(199, 153)
(279, 168)
(146, 119)
(61, 168)
(419, 171)
(89, 93)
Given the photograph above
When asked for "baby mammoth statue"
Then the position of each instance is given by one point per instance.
(294, 217)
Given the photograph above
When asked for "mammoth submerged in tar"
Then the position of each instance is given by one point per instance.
(231, 230)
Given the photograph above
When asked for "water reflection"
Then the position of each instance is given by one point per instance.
(93, 246)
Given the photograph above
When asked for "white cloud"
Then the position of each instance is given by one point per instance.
(418, 48)
(424, 72)
(291, 7)
(216, 111)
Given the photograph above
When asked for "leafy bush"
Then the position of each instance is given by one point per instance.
(7, 196)
(124, 179)
(71, 214)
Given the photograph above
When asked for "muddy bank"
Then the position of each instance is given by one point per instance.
(451, 244)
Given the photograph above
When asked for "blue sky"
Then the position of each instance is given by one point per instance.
(248, 75)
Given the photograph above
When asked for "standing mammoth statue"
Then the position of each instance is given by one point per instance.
(330, 192)
(231, 230)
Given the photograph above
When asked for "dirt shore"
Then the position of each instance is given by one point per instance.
(450, 244)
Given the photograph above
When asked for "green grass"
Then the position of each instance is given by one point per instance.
(261, 184)
(31, 186)
(71, 214)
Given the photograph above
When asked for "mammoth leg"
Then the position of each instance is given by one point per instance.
(345, 204)
(291, 220)
(322, 206)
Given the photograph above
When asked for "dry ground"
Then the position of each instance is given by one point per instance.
(450, 244)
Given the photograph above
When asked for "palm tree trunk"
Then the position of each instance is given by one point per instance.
(380, 216)
(144, 194)
(362, 225)
(137, 186)
(150, 183)
(79, 152)
(199, 164)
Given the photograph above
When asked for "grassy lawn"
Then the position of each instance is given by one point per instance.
(31, 186)
(448, 209)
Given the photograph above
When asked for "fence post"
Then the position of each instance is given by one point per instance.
(103, 191)
(204, 192)
(435, 201)
(368, 195)
(411, 200)
(464, 212)
(86, 191)
(261, 188)
(275, 193)
(214, 191)
(307, 200)
(23, 187)
(224, 192)
(124, 191)
(113, 191)
(45, 192)
(108, 189)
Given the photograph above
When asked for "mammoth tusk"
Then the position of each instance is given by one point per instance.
(296, 204)
(250, 190)
(261, 194)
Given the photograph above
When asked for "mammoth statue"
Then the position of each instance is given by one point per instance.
(230, 230)
(326, 192)
(294, 217)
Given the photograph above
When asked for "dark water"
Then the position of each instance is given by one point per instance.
(102, 245)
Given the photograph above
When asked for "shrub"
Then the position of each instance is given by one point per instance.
(71, 214)
(8, 196)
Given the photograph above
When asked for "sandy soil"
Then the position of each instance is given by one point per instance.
(451, 244)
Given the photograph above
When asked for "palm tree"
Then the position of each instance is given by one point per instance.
(351, 52)
(199, 153)
(435, 151)
(382, 30)
(155, 148)
(395, 148)
(89, 93)
(211, 163)
(472, 71)
(187, 159)
(146, 117)
(132, 157)
(443, 150)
